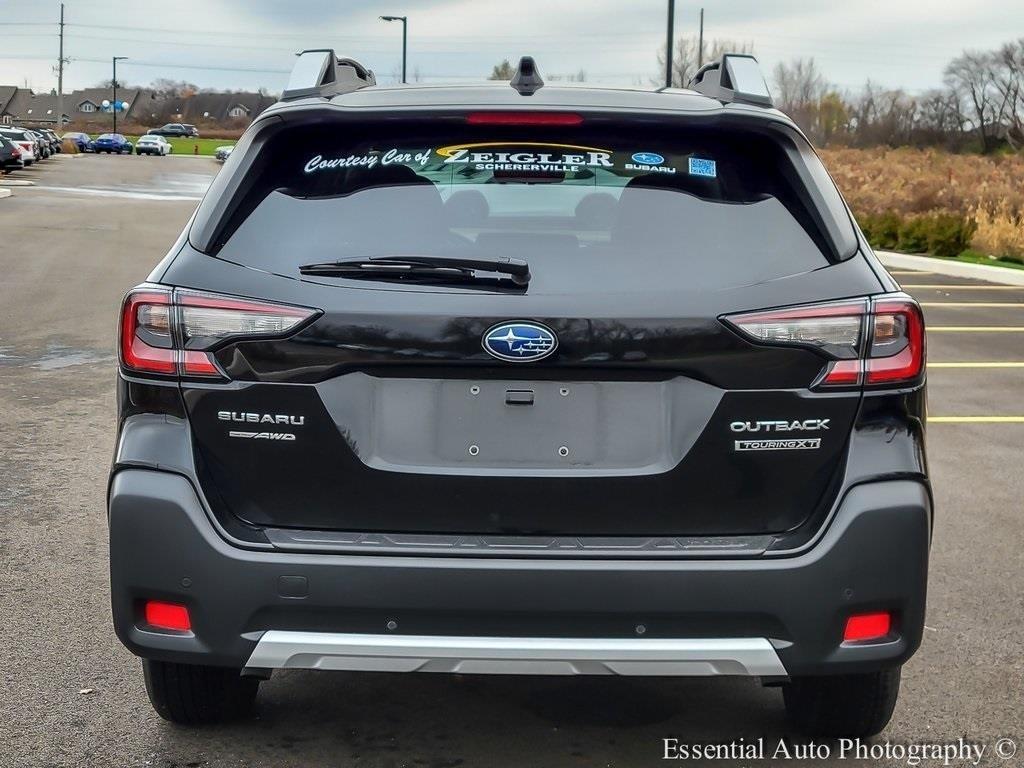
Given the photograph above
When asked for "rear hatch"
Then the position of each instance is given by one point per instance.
(608, 396)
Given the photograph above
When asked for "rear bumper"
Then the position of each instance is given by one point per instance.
(265, 608)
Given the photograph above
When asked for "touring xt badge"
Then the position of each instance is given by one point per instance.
(265, 419)
(779, 444)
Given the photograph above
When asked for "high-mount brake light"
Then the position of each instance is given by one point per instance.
(869, 341)
(524, 118)
(169, 333)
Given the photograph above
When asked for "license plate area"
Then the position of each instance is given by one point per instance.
(520, 423)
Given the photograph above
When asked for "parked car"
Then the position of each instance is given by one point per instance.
(153, 145)
(10, 155)
(25, 141)
(112, 142)
(82, 140)
(55, 142)
(174, 129)
(43, 149)
(595, 382)
(223, 153)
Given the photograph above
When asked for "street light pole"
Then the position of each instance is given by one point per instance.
(113, 105)
(60, 75)
(669, 42)
(405, 31)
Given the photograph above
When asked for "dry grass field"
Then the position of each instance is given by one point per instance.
(930, 200)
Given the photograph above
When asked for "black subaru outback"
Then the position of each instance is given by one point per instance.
(518, 379)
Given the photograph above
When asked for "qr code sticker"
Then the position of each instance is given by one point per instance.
(700, 167)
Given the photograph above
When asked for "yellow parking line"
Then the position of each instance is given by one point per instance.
(941, 286)
(976, 329)
(976, 419)
(962, 304)
(986, 364)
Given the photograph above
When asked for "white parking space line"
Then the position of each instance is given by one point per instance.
(908, 272)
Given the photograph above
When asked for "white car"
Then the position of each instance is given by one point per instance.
(153, 145)
(25, 142)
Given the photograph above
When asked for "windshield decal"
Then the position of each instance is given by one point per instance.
(509, 156)
(701, 167)
(369, 160)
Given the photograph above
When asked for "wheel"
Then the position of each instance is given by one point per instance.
(843, 706)
(189, 694)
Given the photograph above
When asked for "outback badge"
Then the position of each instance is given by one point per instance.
(520, 342)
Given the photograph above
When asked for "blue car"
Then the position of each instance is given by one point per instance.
(112, 142)
(81, 140)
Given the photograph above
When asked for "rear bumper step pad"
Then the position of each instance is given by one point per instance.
(516, 655)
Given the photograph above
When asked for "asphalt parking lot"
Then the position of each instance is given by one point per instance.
(91, 227)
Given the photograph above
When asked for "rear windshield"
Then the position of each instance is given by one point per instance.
(655, 200)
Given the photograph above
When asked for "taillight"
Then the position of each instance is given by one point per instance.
(897, 342)
(176, 332)
(867, 341)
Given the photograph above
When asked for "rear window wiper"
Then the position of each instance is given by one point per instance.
(425, 269)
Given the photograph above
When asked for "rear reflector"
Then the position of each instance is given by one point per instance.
(524, 118)
(167, 616)
(867, 626)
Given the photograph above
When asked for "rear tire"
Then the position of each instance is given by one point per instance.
(843, 706)
(189, 694)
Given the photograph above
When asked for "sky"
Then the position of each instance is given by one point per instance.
(246, 44)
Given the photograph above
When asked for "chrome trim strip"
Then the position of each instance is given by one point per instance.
(696, 657)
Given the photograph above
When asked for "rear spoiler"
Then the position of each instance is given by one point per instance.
(319, 72)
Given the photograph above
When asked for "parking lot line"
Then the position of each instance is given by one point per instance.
(909, 272)
(976, 329)
(993, 364)
(965, 287)
(976, 419)
(968, 304)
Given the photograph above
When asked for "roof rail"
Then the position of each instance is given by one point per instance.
(319, 72)
(734, 78)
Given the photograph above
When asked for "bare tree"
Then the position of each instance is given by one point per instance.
(799, 89)
(1008, 82)
(971, 77)
(684, 57)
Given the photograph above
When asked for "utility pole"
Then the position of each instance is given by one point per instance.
(113, 104)
(60, 74)
(700, 42)
(669, 42)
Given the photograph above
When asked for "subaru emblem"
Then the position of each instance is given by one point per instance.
(648, 158)
(520, 342)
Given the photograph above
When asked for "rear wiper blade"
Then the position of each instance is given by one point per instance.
(424, 268)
